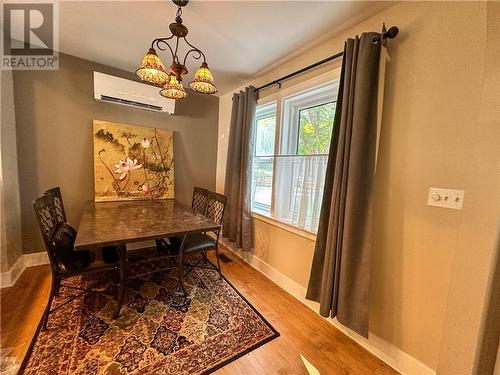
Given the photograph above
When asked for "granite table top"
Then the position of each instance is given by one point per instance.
(118, 223)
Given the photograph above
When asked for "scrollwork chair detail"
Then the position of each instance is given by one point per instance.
(59, 212)
(200, 199)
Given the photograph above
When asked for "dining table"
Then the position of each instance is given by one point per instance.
(119, 223)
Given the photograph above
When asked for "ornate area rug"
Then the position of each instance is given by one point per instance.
(158, 332)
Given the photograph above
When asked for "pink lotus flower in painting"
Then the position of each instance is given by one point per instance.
(123, 168)
(145, 188)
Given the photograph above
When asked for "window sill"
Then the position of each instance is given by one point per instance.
(289, 228)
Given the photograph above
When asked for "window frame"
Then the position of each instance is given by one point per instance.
(326, 83)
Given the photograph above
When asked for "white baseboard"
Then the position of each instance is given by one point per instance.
(390, 354)
(35, 259)
(9, 278)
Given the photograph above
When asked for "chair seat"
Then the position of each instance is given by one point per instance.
(199, 242)
(194, 243)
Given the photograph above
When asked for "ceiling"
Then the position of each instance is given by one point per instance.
(239, 38)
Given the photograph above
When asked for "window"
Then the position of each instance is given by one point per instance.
(292, 141)
(262, 174)
(265, 130)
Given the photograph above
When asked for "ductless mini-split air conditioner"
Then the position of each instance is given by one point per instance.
(122, 91)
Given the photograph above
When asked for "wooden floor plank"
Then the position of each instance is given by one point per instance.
(303, 332)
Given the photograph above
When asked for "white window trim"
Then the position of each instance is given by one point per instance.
(326, 79)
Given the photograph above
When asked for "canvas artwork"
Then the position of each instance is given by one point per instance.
(132, 162)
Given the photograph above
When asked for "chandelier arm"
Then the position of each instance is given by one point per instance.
(196, 49)
(163, 41)
(155, 41)
(197, 57)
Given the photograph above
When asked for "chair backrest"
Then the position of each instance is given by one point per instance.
(58, 205)
(200, 198)
(44, 211)
(216, 204)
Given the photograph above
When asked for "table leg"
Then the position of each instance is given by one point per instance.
(121, 288)
(180, 266)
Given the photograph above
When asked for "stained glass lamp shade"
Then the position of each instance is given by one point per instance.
(203, 81)
(173, 89)
(152, 69)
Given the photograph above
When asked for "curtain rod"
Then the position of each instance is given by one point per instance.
(391, 33)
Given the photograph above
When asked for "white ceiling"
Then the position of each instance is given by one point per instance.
(239, 38)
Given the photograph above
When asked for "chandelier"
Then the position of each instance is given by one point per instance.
(153, 71)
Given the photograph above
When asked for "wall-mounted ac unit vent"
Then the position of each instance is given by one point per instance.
(122, 91)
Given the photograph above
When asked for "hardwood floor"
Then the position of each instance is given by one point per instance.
(302, 331)
(21, 308)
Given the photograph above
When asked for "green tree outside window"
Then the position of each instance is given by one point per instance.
(315, 129)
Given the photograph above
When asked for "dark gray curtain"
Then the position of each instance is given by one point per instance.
(237, 225)
(340, 272)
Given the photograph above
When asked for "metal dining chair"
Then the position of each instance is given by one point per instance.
(65, 262)
(203, 242)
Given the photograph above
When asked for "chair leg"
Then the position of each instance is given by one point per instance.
(53, 287)
(180, 267)
(218, 262)
(57, 288)
(121, 290)
(115, 279)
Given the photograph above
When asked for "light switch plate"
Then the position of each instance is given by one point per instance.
(446, 198)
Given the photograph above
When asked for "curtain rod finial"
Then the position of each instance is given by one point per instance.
(392, 32)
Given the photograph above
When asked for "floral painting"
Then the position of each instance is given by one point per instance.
(132, 162)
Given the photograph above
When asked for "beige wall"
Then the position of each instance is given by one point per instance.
(10, 216)
(54, 113)
(479, 228)
(440, 128)
(298, 250)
